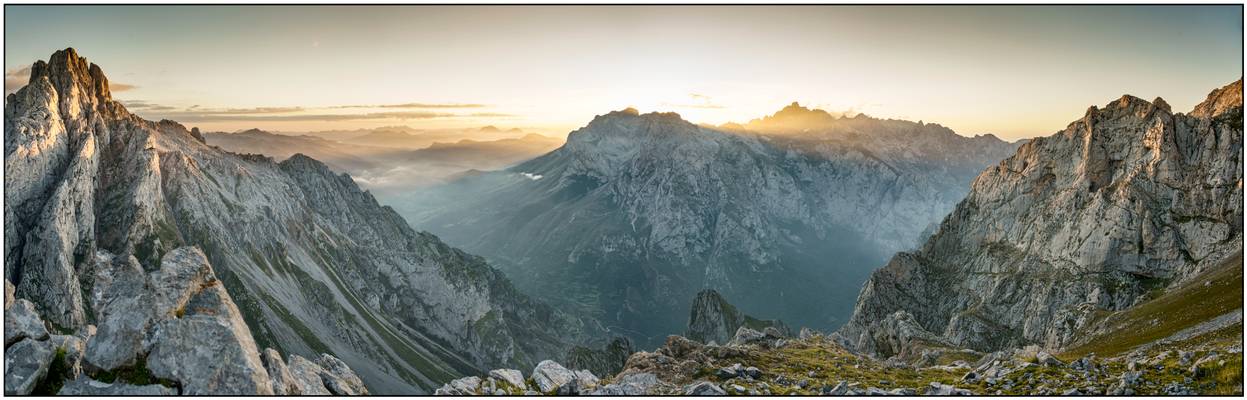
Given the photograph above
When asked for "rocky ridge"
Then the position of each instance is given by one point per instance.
(713, 320)
(97, 198)
(1130, 199)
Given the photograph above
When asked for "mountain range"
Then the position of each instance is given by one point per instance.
(638, 212)
(146, 258)
(1105, 259)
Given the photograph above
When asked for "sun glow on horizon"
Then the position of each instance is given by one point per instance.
(1013, 71)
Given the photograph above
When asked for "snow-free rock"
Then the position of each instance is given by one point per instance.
(307, 376)
(550, 377)
(704, 388)
(22, 321)
(282, 381)
(84, 386)
(208, 349)
(339, 378)
(513, 377)
(25, 364)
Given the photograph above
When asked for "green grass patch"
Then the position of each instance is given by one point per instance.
(1213, 293)
(58, 372)
(137, 374)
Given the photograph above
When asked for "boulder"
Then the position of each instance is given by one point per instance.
(25, 364)
(729, 372)
(209, 350)
(629, 385)
(182, 272)
(84, 386)
(940, 389)
(306, 376)
(902, 392)
(283, 383)
(22, 321)
(551, 377)
(1045, 359)
(339, 378)
(513, 377)
(122, 311)
(585, 380)
(746, 336)
(703, 388)
(8, 294)
(74, 348)
(841, 389)
(466, 386)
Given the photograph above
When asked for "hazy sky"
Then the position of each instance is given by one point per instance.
(1016, 71)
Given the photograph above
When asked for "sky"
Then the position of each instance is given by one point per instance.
(1013, 71)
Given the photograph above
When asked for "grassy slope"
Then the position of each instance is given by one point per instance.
(1213, 293)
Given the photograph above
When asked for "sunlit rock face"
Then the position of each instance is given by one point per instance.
(636, 213)
(314, 264)
(1129, 198)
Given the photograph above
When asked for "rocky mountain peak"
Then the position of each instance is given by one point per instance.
(713, 319)
(1080, 222)
(793, 117)
(1226, 98)
(68, 71)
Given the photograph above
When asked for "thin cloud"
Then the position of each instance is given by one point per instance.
(120, 87)
(16, 78)
(195, 113)
(262, 110)
(190, 116)
(698, 101)
(416, 105)
(137, 105)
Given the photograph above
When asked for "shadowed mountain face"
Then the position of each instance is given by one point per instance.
(389, 170)
(314, 264)
(637, 213)
(1130, 200)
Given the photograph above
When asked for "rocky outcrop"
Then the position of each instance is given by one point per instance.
(1127, 199)
(548, 377)
(283, 382)
(25, 364)
(604, 361)
(91, 387)
(307, 377)
(32, 356)
(22, 321)
(97, 199)
(713, 320)
(176, 325)
(206, 346)
(339, 378)
(641, 211)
